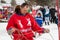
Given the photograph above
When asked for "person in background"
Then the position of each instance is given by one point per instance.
(39, 19)
(43, 13)
(52, 14)
(34, 13)
(21, 24)
(1, 16)
(47, 15)
(56, 21)
(6, 14)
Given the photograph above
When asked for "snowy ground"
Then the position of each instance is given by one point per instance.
(53, 35)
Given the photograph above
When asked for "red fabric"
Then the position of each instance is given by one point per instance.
(24, 22)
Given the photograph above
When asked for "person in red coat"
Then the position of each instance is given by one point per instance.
(22, 25)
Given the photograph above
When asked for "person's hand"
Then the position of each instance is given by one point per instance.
(11, 30)
(46, 30)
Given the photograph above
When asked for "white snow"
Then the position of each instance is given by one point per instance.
(53, 35)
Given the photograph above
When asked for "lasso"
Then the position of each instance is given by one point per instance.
(20, 33)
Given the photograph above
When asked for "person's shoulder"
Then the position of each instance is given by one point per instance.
(13, 15)
(29, 14)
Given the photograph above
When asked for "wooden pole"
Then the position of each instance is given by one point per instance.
(57, 5)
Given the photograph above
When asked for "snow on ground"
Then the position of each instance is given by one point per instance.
(53, 35)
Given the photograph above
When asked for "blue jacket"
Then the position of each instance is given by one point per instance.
(39, 20)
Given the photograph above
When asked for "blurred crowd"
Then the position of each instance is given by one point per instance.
(42, 14)
(45, 15)
(5, 13)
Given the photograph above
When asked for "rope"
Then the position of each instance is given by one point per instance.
(46, 38)
(20, 33)
(51, 36)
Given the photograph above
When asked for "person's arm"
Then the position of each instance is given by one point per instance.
(10, 27)
(35, 26)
